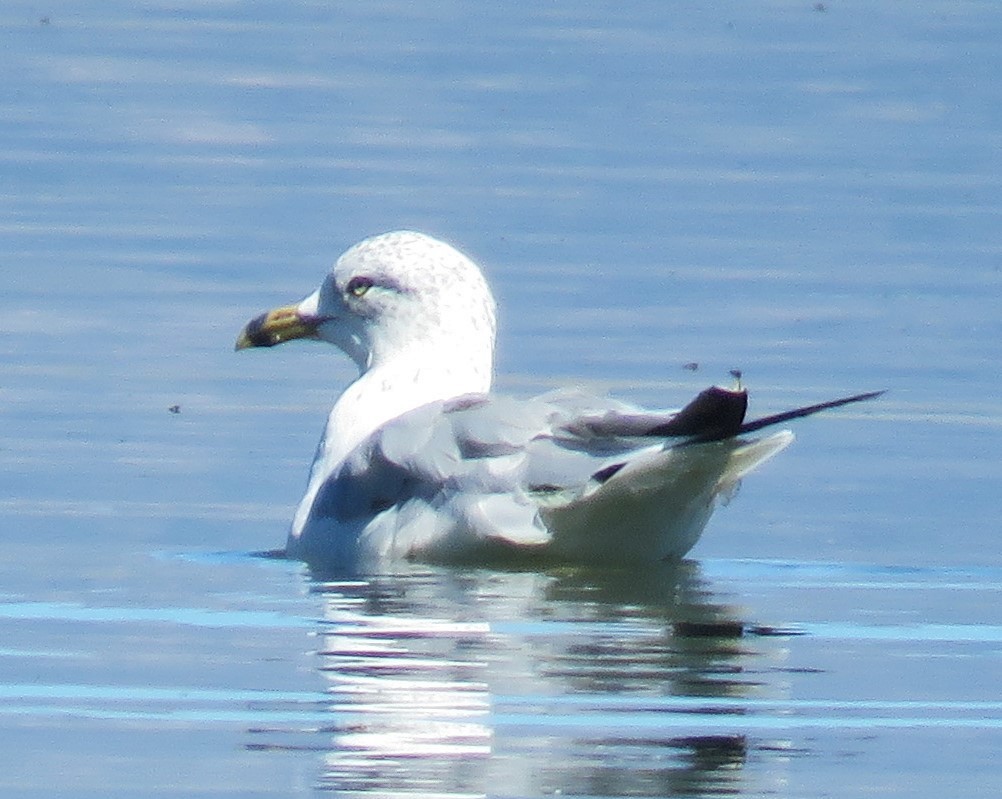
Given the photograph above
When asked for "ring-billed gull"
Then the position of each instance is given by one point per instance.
(419, 460)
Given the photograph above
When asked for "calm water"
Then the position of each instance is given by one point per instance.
(807, 192)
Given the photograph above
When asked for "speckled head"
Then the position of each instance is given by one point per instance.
(393, 297)
(407, 291)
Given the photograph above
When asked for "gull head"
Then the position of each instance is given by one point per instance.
(393, 299)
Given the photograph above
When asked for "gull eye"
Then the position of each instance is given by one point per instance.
(357, 286)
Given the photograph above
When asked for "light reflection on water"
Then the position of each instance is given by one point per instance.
(483, 682)
(594, 683)
(476, 702)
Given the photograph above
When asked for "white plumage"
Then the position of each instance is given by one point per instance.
(419, 460)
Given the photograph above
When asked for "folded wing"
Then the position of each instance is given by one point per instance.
(584, 477)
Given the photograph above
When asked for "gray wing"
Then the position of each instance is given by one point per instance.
(489, 445)
(440, 478)
(451, 475)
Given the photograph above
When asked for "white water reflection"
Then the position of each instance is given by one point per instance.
(509, 683)
(596, 683)
(449, 682)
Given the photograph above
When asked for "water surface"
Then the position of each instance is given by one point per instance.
(807, 192)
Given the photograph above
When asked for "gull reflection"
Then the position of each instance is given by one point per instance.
(445, 682)
(408, 694)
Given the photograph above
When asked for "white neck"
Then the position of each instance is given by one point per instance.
(411, 379)
(386, 392)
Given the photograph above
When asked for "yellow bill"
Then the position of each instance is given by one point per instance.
(276, 327)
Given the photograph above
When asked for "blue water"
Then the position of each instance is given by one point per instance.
(806, 191)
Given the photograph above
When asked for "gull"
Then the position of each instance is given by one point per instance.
(420, 460)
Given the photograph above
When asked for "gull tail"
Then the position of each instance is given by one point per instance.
(655, 506)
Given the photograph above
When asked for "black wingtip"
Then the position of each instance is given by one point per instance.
(715, 413)
(720, 434)
(807, 410)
